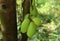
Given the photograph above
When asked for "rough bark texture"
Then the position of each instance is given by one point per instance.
(9, 24)
(26, 10)
(26, 7)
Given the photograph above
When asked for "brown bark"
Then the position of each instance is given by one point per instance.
(26, 7)
(9, 24)
(26, 10)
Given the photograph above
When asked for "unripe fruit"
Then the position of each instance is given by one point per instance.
(31, 30)
(33, 11)
(37, 21)
(24, 25)
(26, 16)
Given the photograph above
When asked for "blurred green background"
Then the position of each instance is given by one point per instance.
(49, 13)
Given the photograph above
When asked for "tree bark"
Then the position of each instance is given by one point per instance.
(26, 10)
(8, 21)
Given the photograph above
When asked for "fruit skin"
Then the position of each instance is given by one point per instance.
(24, 25)
(26, 16)
(31, 30)
(33, 11)
(37, 21)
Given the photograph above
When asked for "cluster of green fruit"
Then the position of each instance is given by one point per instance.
(29, 25)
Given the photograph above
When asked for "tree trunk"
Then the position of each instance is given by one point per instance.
(26, 10)
(8, 21)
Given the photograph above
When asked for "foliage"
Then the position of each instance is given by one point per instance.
(48, 11)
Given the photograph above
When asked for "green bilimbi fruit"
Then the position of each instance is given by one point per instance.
(37, 21)
(33, 11)
(25, 24)
(26, 16)
(31, 30)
